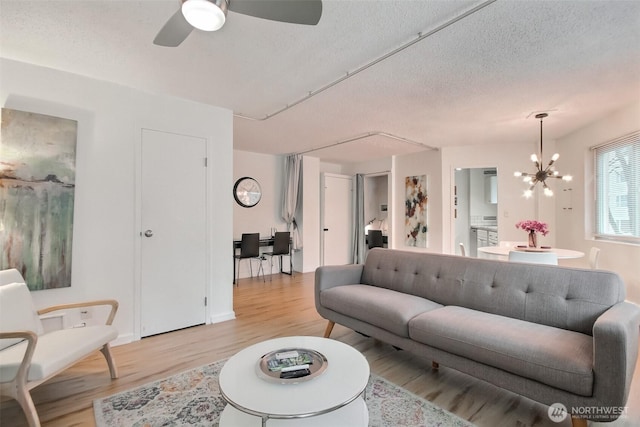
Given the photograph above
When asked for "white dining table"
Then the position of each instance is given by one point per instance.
(504, 251)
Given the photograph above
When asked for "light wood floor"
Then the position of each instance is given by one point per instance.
(267, 310)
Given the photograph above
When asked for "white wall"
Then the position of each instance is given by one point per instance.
(106, 236)
(575, 227)
(422, 163)
(268, 170)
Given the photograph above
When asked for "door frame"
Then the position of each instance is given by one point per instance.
(452, 195)
(137, 291)
(386, 174)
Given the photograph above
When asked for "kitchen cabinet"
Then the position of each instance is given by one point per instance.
(481, 236)
(492, 238)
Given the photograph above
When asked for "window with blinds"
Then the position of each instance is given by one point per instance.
(617, 166)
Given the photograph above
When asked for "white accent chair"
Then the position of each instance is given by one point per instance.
(29, 356)
(550, 258)
(593, 257)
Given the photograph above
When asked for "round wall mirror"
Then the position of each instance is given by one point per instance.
(247, 192)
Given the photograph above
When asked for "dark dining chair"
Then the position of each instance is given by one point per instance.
(281, 247)
(249, 249)
(374, 239)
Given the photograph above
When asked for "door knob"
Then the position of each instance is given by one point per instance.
(148, 233)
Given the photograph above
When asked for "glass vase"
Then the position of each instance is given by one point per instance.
(533, 239)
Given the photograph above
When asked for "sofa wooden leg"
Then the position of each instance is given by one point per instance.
(578, 422)
(113, 369)
(330, 326)
(435, 365)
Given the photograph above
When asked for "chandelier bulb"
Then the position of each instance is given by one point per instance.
(541, 173)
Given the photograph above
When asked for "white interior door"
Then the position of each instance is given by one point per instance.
(337, 219)
(173, 230)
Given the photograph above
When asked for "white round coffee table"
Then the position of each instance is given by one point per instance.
(334, 397)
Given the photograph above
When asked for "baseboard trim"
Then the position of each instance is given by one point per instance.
(122, 339)
(222, 317)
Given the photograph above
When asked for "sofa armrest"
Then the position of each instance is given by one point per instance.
(329, 276)
(615, 351)
(111, 302)
(23, 371)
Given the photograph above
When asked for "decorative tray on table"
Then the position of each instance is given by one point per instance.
(291, 365)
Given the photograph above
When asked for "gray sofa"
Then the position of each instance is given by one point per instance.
(552, 334)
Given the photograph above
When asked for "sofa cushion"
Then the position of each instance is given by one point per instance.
(384, 308)
(55, 351)
(17, 312)
(567, 298)
(553, 356)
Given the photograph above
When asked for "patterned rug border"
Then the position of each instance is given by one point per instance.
(166, 402)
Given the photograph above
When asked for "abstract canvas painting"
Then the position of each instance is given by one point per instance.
(415, 222)
(37, 185)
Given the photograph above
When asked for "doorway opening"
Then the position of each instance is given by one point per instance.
(475, 210)
(376, 204)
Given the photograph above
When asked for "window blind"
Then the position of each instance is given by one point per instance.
(617, 166)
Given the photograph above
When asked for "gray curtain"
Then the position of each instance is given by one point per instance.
(359, 248)
(292, 170)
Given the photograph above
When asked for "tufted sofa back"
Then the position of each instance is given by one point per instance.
(566, 298)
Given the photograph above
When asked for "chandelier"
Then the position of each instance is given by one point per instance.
(541, 174)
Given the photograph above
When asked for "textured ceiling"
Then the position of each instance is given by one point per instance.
(474, 81)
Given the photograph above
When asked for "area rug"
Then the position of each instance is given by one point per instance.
(192, 399)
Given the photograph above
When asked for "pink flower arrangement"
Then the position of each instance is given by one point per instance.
(532, 225)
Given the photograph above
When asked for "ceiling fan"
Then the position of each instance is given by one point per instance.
(210, 15)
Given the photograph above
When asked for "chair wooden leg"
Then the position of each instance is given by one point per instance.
(25, 401)
(578, 422)
(330, 326)
(113, 369)
(435, 365)
(18, 391)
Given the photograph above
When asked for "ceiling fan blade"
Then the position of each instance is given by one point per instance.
(174, 32)
(294, 11)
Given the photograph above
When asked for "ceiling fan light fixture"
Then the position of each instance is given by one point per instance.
(205, 15)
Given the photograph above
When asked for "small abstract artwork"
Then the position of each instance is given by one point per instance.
(37, 189)
(415, 222)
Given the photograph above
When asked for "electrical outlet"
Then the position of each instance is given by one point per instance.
(85, 314)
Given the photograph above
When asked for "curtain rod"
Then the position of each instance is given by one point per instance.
(380, 173)
(369, 135)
